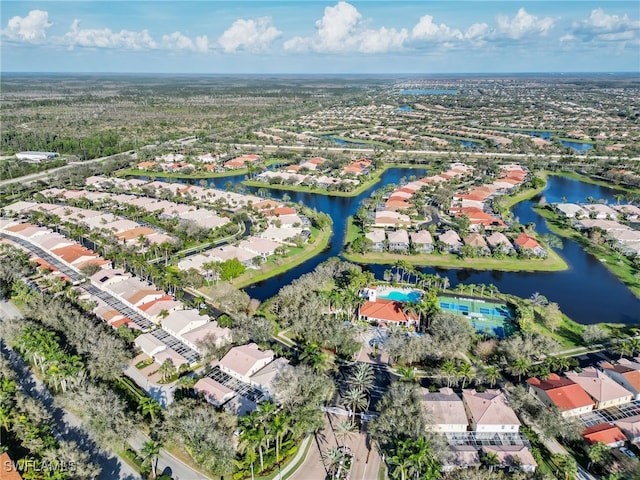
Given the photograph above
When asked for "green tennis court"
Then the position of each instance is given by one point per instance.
(486, 316)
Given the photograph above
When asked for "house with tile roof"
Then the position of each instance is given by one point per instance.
(422, 241)
(630, 426)
(461, 456)
(606, 433)
(625, 375)
(489, 411)
(386, 312)
(220, 336)
(478, 242)
(377, 237)
(398, 241)
(451, 241)
(245, 360)
(264, 378)
(528, 244)
(604, 391)
(571, 210)
(560, 392)
(513, 457)
(214, 392)
(444, 410)
(183, 321)
(499, 241)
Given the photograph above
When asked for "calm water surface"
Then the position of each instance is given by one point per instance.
(587, 292)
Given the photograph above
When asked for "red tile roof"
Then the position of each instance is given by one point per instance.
(605, 433)
(564, 393)
(387, 310)
(526, 241)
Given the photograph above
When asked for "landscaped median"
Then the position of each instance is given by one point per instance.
(621, 266)
(372, 180)
(552, 263)
(295, 256)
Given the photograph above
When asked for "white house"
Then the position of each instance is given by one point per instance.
(244, 361)
(489, 412)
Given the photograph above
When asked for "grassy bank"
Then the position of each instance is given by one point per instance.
(509, 201)
(295, 257)
(373, 179)
(574, 140)
(617, 264)
(553, 262)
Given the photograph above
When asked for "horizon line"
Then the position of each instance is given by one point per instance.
(603, 72)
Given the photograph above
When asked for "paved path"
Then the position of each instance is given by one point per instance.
(366, 461)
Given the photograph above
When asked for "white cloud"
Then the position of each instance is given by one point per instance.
(522, 25)
(341, 29)
(178, 41)
(252, 35)
(605, 27)
(425, 29)
(30, 29)
(105, 38)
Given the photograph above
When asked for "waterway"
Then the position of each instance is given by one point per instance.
(587, 292)
(577, 146)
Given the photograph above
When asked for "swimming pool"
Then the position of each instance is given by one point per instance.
(401, 296)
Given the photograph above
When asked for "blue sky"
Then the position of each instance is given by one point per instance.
(320, 37)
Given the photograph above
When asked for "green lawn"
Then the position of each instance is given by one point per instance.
(295, 257)
(509, 201)
(618, 264)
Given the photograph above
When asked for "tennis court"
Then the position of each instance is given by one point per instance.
(486, 316)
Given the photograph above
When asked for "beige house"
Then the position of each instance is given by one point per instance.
(604, 391)
(244, 361)
(214, 392)
(489, 412)
(444, 410)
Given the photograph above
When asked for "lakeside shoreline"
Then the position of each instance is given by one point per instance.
(375, 178)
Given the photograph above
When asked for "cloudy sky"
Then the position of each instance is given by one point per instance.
(289, 36)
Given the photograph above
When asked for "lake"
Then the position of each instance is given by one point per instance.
(577, 146)
(587, 292)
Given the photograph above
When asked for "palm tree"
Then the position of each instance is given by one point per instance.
(280, 425)
(150, 452)
(492, 374)
(490, 460)
(448, 369)
(362, 377)
(167, 369)
(520, 367)
(333, 458)
(407, 374)
(149, 407)
(346, 430)
(465, 372)
(356, 400)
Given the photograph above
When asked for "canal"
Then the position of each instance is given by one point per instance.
(587, 292)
